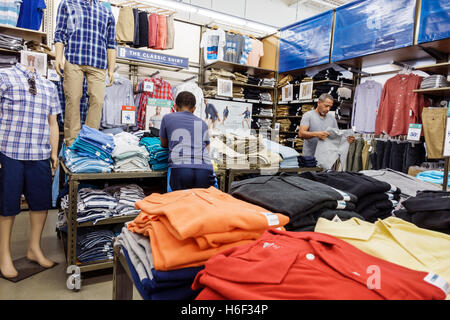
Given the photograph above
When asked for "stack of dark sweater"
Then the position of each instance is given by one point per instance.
(252, 93)
(307, 162)
(376, 199)
(304, 201)
(428, 210)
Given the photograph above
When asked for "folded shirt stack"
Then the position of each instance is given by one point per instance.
(265, 96)
(300, 199)
(126, 196)
(210, 93)
(7, 61)
(214, 74)
(307, 162)
(11, 42)
(95, 205)
(188, 227)
(289, 155)
(252, 93)
(128, 155)
(241, 78)
(266, 112)
(434, 81)
(432, 176)
(264, 124)
(159, 156)
(238, 92)
(95, 244)
(267, 82)
(282, 111)
(224, 155)
(82, 164)
(94, 144)
(428, 210)
(376, 199)
(150, 283)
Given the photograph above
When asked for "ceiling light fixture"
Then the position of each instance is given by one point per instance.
(174, 5)
(222, 17)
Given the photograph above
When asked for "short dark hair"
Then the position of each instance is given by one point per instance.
(185, 99)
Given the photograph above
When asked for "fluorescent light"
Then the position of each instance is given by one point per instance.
(325, 3)
(221, 16)
(262, 27)
(174, 5)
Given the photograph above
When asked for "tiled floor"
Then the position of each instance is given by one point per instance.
(51, 284)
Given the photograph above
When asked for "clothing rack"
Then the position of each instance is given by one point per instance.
(142, 5)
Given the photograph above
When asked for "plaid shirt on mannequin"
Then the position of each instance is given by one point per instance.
(24, 124)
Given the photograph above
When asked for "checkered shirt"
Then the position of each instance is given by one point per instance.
(161, 90)
(87, 30)
(24, 128)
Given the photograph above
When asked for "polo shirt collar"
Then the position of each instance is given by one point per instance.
(353, 228)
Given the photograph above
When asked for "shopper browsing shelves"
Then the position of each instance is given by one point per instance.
(187, 138)
(315, 123)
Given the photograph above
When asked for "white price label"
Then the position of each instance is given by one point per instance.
(414, 132)
(149, 86)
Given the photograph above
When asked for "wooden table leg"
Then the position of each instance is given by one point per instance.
(122, 284)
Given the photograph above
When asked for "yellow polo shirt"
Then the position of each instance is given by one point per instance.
(396, 241)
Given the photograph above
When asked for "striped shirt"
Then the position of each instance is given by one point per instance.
(24, 124)
(247, 50)
(9, 12)
(87, 29)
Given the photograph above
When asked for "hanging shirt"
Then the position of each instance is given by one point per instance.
(257, 52)
(365, 105)
(399, 105)
(213, 42)
(234, 46)
(161, 90)
(118, 95)
(9, 12)
(87, 29)
(170, 32)
(24, 124)
(197, 92)
(152, 30)
(31, 13)
(246, 51)
(162, 33)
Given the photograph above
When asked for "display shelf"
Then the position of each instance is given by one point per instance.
(26, 34)
(437, 92)
(114, 220)
(289, 117)
(2, 50)
(298, 101)
(240, 84)
(289, 132)
(235, 67)
(258, 116)
(95, 265)
(241, 100)
(438, 68)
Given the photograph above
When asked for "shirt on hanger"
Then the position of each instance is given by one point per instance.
(118, 95)
(213, 42)
(246, 51)
(399, 105)
(31, 12)
(9, 12)
(170, 32)
(161, 90)
(85, 45)
(234, 45)
(162, 32)
(153, 30)
(143, 29)
(365, 105)
(24, 124)
(197, 92)
(257, 52)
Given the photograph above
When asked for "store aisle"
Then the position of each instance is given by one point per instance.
(51, 284)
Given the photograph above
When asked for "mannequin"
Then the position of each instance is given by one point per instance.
(27, 157)
(93, 58)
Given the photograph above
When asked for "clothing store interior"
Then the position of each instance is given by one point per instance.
(216, 150)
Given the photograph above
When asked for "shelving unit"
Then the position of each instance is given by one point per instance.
(436, 92)
(26, 34)
(74, 181)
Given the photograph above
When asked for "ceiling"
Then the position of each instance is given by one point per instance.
(318, 3)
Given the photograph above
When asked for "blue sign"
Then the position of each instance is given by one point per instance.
(152, 57)
(306, 43)
(434, 20)
(365, 27)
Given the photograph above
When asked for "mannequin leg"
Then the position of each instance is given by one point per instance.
(6, 265)
(73, 90)
(96, 89)
(37, 221)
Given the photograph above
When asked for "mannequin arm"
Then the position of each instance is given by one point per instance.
(54, 140)
(59, 47)
(111, 65)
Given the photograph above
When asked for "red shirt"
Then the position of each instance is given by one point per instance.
(161, 90)
(284, 265)
(399, 105)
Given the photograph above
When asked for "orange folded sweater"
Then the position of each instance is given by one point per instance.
(187, 227)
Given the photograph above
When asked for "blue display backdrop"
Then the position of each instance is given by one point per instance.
(306, 43)
(434, 20)
(370, 26)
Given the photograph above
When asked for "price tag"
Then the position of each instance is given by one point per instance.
(149, 86)
(414, 132)
(52, 75)
(128, 114)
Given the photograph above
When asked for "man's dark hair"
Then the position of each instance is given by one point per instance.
(185, 99)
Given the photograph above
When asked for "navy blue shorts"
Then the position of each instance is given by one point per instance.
(187, 178)
(33, 179)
